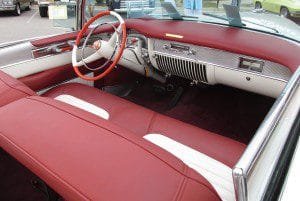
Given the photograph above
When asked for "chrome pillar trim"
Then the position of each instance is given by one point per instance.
(79, 13)
(240, 184)
(247, 162)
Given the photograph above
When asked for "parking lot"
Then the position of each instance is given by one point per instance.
(30, 25)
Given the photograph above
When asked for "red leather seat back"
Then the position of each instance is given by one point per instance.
(11, 89)
(142, 121)
(83, 157)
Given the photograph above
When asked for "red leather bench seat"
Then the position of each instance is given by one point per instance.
(90, 145)
(211, 155)
(142, 121)
(84, 157)
(11, 89)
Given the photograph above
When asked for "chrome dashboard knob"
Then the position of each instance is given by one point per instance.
(165, 46)
(191, 52)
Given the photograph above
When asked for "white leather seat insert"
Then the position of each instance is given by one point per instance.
(79, 103)
(218, 174)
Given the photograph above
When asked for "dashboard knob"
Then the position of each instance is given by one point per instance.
(191, 52)
(166, 47)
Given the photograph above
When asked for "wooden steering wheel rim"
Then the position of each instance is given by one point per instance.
(118, 54)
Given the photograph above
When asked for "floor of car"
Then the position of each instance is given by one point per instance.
(16, 181)
(224, 110)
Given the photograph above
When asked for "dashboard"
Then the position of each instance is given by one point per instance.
(213, 66)
(206, 65)
(160, 58)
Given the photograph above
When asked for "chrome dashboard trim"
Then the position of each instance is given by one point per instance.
(220, 58)
(247, 162)
(188, 69)
(252, 73)
(220, 66)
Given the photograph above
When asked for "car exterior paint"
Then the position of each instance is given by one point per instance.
(275, 6)
(10, 5)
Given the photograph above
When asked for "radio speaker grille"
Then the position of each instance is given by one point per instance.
(183, 68)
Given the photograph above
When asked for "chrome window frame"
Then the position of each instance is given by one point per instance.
(247, 163)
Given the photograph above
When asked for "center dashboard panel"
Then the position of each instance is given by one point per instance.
(213, 66)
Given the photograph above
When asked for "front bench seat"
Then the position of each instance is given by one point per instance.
(211, 155)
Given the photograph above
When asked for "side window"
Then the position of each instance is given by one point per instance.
(25, 19)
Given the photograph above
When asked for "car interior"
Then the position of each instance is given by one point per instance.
(153, 110)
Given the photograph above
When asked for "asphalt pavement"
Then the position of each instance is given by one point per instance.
(28, 25)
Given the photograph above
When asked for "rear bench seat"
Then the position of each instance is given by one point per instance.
(85, 157)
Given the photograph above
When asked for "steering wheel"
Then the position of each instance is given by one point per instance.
(104, 47)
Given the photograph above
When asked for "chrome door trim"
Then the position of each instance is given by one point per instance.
(247, 162)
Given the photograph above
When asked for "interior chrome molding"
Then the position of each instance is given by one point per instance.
(79, 22)
(219, 58)
(247, 163)
(31, 66)
(12, 43)
(4, 45)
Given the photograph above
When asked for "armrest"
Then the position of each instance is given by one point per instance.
(11, 89)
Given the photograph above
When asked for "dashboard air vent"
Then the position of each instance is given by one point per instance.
(183, 68)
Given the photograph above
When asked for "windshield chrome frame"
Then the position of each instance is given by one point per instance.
(80, 12)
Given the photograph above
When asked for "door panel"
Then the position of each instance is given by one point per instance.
(24, 61)
(268, 5)
(48, 78)
(277, 5)
(15, 53)
(44, 62)
(54, 76)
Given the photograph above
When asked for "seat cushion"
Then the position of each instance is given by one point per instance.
(142, 121)
(209, 154)
(84, 157)
(12, 89)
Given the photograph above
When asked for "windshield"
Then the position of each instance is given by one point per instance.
(280, 18)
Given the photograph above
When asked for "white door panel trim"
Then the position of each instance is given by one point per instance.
(29, 67)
